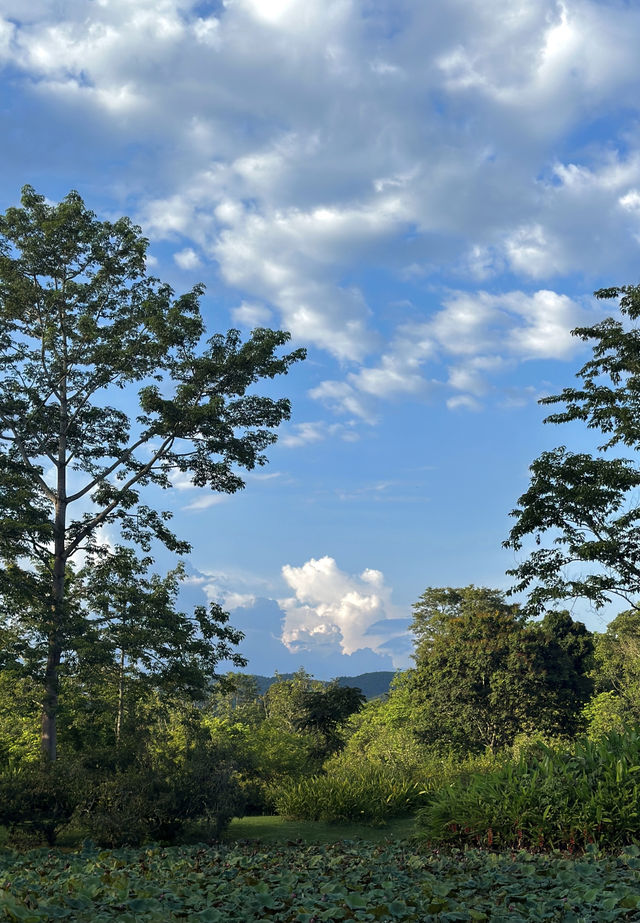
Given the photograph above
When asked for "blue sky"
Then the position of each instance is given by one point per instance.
(424, 194)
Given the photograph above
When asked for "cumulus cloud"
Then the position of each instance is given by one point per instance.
(477, 335)
(335, 610)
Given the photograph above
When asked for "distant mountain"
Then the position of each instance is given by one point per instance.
(372, 684)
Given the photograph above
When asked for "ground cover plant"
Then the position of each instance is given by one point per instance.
(347, 880)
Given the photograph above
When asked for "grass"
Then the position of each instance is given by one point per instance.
(277, 830)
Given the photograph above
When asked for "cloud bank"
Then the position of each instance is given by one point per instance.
(298, 145)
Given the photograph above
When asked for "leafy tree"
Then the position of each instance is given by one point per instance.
(283, 700)
(237, 699)
(586, 506)
(304, 705)
(381, 734)
(140, 644)
(617, 672)
(484, 675)
(323, 711)
(80, 323)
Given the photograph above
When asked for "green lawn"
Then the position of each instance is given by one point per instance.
(278, 830)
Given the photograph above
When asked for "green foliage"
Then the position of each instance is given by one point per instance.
(587, 504)
(236, 697)
(484, 675)
(275, 829)
(617, 662)
(19, 725)
(370, 794)
(149, 787)
(339, 881)
(265, 755)
(138, 646)
(38, 799)
(376, 738)
(283, 699)
(154, 802)
(547, 799)
(605, 712)
(302, 704)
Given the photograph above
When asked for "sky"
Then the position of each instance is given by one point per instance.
(425, 195)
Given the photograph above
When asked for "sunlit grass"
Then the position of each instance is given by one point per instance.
(278, 830)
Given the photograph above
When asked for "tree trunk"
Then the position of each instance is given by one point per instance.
(120, 698)
(50, 704)
(54, 654)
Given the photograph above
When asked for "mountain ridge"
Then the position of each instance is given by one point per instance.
(372, 685)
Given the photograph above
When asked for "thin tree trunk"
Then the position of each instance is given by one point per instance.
(50, 704)
(120, 698)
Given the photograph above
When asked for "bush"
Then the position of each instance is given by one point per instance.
(155, 802)
(372, 795)
(36, 800)
(546, 799)
(265, 756)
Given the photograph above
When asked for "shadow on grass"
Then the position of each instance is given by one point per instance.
(279, 830)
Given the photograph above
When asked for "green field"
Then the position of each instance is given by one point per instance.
(260, 873)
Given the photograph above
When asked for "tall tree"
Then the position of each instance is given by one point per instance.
(586, 505)
(324, 710)
(81, 322)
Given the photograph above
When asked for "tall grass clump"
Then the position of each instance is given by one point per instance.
(546, 799)
(370, 794)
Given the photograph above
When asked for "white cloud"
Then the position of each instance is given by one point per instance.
(343, 398)
(251, 315)
(216, 591)
(532, 251)
(332, 606)
(187, 258)
(301, 434)
(206, 501)
(463, 402)
(295, 141)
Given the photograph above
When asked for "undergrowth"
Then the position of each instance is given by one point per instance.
(588, 794)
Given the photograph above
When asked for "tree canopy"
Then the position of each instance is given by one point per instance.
(581, 509)
(484, 674)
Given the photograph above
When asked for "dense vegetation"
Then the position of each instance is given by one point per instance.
(515, 728)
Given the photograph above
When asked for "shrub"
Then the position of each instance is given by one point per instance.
(265, 756)
(546, 799)
(38, 799)
(154, 801)
(372, 795)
